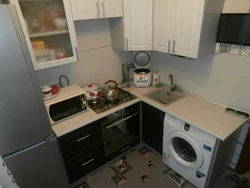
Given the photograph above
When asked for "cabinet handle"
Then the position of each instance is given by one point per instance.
(77, 54)
(103, 7)
(98, 9)
(124, 119)
(125, 148)
(174, 47)
(88, 162)
(169, 43)
(80, 139)
(127, 44)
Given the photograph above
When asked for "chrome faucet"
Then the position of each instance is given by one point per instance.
(172, 85)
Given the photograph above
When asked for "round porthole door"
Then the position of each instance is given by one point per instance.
(185, 150)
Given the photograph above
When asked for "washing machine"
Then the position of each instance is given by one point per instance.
(188, 150)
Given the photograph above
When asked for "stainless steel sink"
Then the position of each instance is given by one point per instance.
(164, 96)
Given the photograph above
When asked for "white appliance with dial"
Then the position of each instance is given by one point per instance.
(188, 150)
(142, 75)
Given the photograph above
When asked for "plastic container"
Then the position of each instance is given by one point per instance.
(156, 79)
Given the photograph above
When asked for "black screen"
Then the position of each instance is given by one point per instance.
(234, 29)
(65, 108)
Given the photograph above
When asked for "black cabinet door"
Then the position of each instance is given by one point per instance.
(85, 163)
(76, 142)
(152, 127)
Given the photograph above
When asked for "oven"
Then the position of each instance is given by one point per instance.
(121, 130)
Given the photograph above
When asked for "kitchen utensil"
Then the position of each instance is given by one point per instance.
(46, 90)
(92, 91)
(111, 92)
(125, 74)
(142, 77)
(49, 92)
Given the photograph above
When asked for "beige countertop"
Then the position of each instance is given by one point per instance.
(206, 115)
(203, 114)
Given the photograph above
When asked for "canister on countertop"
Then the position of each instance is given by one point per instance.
(156, 78)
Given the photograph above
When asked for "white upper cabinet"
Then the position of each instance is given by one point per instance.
(95, 9)
(133, 32)
(111, 8)
(186, 28)
(163, 20)
(49, 31)
(85, 9)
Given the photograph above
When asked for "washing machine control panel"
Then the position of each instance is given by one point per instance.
(186, 127)
(178, 124)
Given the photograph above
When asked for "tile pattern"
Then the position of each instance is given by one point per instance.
(140, 175)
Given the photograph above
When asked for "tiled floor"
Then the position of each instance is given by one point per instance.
(139, 171)
(151, 167)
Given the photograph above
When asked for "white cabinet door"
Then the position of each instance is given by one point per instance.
(94, 9)
(163, 25)
(85, 9)
(187, 27)
(111, 8)
(49, 31)
(138, 24)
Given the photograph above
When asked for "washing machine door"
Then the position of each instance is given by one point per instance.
(184, 150)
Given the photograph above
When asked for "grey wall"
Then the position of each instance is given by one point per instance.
(98, 61)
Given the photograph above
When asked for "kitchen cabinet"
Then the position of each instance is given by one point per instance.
(49, 31)
(95, 9)
(83, 150)
(186, 28)
(133, 32)
(152, 127)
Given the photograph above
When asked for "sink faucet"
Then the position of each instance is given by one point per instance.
(172, 85)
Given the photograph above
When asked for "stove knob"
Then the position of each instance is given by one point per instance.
(105, 107)
(109, 105)
(124, 100)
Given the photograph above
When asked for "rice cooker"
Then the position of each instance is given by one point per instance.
(142, 75)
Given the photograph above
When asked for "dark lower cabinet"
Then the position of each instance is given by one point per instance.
(83, 150)
(152, 127)
(85, 163)
(95, 144)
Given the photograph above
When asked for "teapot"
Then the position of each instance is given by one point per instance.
(111, 92)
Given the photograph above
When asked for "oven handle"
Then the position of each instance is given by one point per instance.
(124, 119)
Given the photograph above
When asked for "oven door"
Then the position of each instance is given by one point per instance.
(184, 150)
(119, 129)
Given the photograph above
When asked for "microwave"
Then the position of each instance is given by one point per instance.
(70, 102)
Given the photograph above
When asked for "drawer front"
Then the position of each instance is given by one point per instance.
(85, 163)
(77, 141)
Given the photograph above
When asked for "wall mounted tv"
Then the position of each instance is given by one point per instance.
(234, 29)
